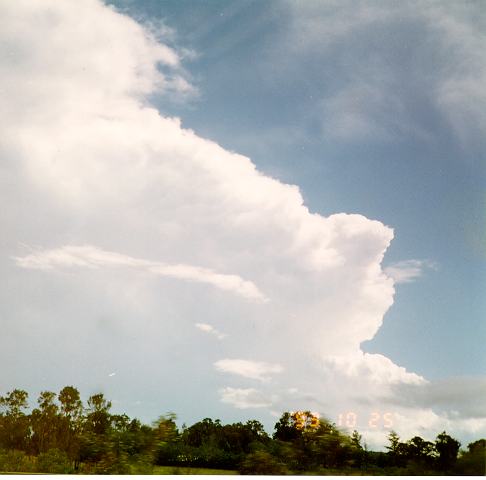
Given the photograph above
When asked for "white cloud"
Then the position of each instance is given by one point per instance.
(205, 327)
(408, 271)
(375, 368)
(86, 160)
(88, 256)
(248, 368)
(244, 398)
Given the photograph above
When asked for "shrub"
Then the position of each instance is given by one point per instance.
(53, 461)
(16, 461)
(261, 463)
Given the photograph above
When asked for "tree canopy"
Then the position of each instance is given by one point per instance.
(61, 434)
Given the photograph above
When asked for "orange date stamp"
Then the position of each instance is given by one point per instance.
(374, 420)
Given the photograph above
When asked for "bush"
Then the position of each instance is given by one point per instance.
(141, 465)
(112, 464)
(472, 463)
(53, 461)
(16, 461)
(261, 463)
(109, 464)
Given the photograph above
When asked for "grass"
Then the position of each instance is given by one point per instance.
(158, 470)
(22, 473)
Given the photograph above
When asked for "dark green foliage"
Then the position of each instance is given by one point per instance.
(54, 461)
(98, 416)
(16, 461)
(210, 444)
(61, 435)
(420, 456)
(262, 463)
(420, 450)
(473, 462)
(45, 424)
(447, 448)
(14, 423)
(285, 429)
(306, 447)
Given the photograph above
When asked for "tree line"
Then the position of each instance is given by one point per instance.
(64, 435)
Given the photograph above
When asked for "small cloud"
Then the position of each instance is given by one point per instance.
(244, 398)
(248, 368)
(407, 271)
(88, 256)
(205, 327)
(112, 374)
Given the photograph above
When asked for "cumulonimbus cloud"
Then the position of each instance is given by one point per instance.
(89, 161)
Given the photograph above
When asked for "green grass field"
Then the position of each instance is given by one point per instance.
(191, 471)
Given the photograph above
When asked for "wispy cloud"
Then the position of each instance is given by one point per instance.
(205, 327)
(247, 368)
(88, 256)
(407, 271)
(244, 398)
(425, 73)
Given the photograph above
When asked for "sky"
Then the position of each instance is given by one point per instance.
(232, 209)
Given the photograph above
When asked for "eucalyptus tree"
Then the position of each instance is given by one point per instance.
(14, 422)
(45, 422)
(71, 422)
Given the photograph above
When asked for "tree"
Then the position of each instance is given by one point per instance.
(71, 422)
(286, 428)
(71, 405)
(98, 417)
(447, 448)
(394, 440)
(332, 448)
(479, 446)
(45, 423)
(165, 435)
(397, 451)
(204, 444)
(165, 428)
(15, 402)
(360, 454)
(14, 431)
(356, 439)
(420, 450)
(473, 462)
(314, 442)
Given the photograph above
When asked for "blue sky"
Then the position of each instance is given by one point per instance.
(262, 101)
(172, 264)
